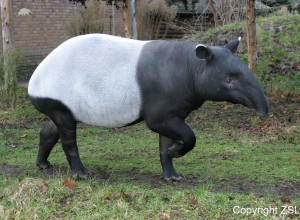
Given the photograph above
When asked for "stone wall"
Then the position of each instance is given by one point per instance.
(38, 33)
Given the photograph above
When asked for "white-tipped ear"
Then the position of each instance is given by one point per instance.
(203, 52)
(233, 45)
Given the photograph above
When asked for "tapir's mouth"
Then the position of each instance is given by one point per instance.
(261, 109)
(247, 103)
(244, 101)
(261, 106)
(262, 112)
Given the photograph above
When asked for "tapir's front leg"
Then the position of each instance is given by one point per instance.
(169, 172)
(176, 139)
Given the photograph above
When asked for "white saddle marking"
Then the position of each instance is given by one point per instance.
(95, 77)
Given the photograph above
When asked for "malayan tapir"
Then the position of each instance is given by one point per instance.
(111, 81)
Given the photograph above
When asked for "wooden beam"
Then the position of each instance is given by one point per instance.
(8, 43)
(127, 20)
(8, 93)
(251, 35)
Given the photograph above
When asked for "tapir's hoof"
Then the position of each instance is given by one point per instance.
(44, 165)
(173, 151)
(80, 175)
(174, 178)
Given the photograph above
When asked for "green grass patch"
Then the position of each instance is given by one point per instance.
(240, 161)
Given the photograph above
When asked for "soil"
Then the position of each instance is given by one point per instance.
(235, 185)
(285, 115)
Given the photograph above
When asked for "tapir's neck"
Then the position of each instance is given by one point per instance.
(166, 72)
(195, 71)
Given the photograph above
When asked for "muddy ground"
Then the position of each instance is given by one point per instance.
(285, 116)
(235, 185)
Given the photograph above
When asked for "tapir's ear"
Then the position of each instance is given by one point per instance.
(233, 45)
(203, 52)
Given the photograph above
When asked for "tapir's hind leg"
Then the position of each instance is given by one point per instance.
(63, 126)
(48, 138)
(66, 125)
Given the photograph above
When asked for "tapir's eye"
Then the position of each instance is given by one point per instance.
(228, 80)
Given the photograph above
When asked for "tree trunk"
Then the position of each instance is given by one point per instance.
(9, 91)
(126, 14)
(251, 35)
(6, 25)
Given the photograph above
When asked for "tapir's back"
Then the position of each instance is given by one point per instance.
(95, 77)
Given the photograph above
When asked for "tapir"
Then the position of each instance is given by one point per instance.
(111, 82)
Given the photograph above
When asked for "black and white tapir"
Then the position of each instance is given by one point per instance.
(111, 81)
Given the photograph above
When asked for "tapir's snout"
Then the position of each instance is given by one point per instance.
(263, 110)
(252, 96)
(260, 102)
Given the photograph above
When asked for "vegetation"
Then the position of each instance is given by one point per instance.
(151, 16)
(240, 161)
(227, 11)
(8, 78)
(278, 50)
(89, 18)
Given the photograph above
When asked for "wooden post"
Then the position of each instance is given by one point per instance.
(130, 19)
(8, 43)
(9, 67)
(251, 35)
(126, 14)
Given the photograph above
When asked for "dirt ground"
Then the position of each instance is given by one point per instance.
(285, 114)
(289, 189)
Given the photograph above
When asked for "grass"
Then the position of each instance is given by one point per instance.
(278, 44)
(240, 160)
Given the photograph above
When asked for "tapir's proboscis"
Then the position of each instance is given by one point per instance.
(111, 81)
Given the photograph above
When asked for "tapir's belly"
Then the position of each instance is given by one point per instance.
(95, 80)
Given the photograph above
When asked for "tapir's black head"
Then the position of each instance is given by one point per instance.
(225, 77)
